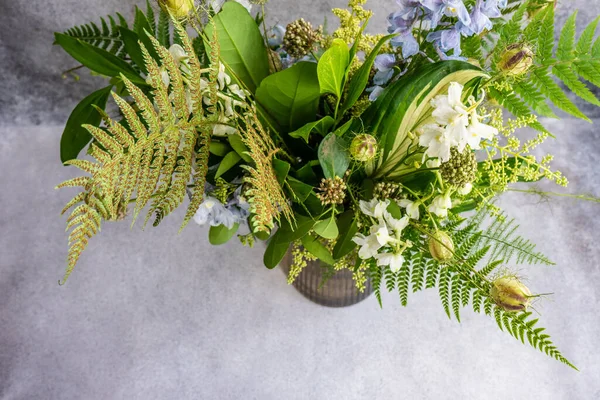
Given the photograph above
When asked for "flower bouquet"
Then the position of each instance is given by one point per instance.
(380, 154)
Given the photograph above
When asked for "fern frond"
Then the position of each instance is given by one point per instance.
(390, 279)
(375, 275)
(444, 289)
(150, 154)
(417, 272)
(403, 284)
(106, 36)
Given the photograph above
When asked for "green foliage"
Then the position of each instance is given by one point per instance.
(218, 235)
(75, 137)
(322, 126)
(291, 97)
(313, 245)
(283, 238)
(105, 36)
(332, 68)
(327, 228)
(241, 44)
(348, 226)
(152, 154)
(569, 61)
(334, 156)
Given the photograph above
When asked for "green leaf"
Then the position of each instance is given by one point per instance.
(291, 96)
(334, 156)
(584, 45)
(219, 148)
(97, 59)
(322, 126)
(327, 228)
(348, 226)
(551, 90)
(545, 43)
(238, 145)
(241, 44)
(286, 234)
(533, 98)
(332, 66)
(221, 234)
(571, 80)
(132, 47)
(566, 43)
(282, 169)
(229, 161)
(300, 189)
(317, 249)
(163, 34)
(75, 137)
(359, 81)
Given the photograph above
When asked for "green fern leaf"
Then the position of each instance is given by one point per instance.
(455, 295)
(545, 43)
(566, 43)
(403, 283)
(418, 272)
(163, 34)
(488, 269)
(551, 90)
(589, 70)
(571, 80)
(105, 37)
(376, 276)
(390, 279)
(534, 99)
(433, 271)
(584, 45)
(444, 289)
(515, 106)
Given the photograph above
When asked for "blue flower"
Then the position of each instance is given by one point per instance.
(275, 36)
(492, 8)
(401, 23)
(384, 63)
(479, 20)
(449, 8)
(448, 39)
(375, 92)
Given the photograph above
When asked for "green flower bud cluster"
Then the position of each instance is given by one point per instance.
(300, 38)
(332, 191)
(387, 190)
(461, 168)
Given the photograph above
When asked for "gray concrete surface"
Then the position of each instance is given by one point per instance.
(156, 315)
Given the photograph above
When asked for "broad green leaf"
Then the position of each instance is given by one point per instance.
(219, 148)
(241, 45)
(334, 156)
(300, 189)
(291, 97)
(322, 126)
(97, 60)
(285, 235)
(344, 128)
(359, 81)
(238, 145)
(348, 226)
(282, 169)
(327, 228)
(306, 173)
(132, 47)
(313, 246)
(221, 234)
(75, 137)
(229, 161)
(403, 106)
(332, 68)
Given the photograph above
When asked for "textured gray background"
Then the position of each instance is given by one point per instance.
(156, 315)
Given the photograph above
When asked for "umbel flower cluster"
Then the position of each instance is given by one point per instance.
(381, 154)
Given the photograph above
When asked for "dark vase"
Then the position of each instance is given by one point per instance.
(338, 291)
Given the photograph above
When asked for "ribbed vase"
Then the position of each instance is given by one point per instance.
(338, 291)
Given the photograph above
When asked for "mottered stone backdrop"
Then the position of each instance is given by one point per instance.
(157, 315)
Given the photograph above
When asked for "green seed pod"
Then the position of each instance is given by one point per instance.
(178, 8)
(441, 247)
(516, 59)
(510, 294)
(363, 147)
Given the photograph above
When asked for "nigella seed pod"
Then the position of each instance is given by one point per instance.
(516, 59)
(441, 247)
(363, 147)
(178, 8)
(510, 294)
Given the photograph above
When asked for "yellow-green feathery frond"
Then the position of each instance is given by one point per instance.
(150, 153)
(266, 197)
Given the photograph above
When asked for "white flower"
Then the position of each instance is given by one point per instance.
(223, 78)
(440, 205)
(395, 261)
(397, 225)
(369, 245)
(478, 131)
(451, 112)
(217, 4)
(212, 211)
(437, 140)
(412, 208)
(381, 233)
(465, 190)
(374, 208)
(433, 163)
(222, 128)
